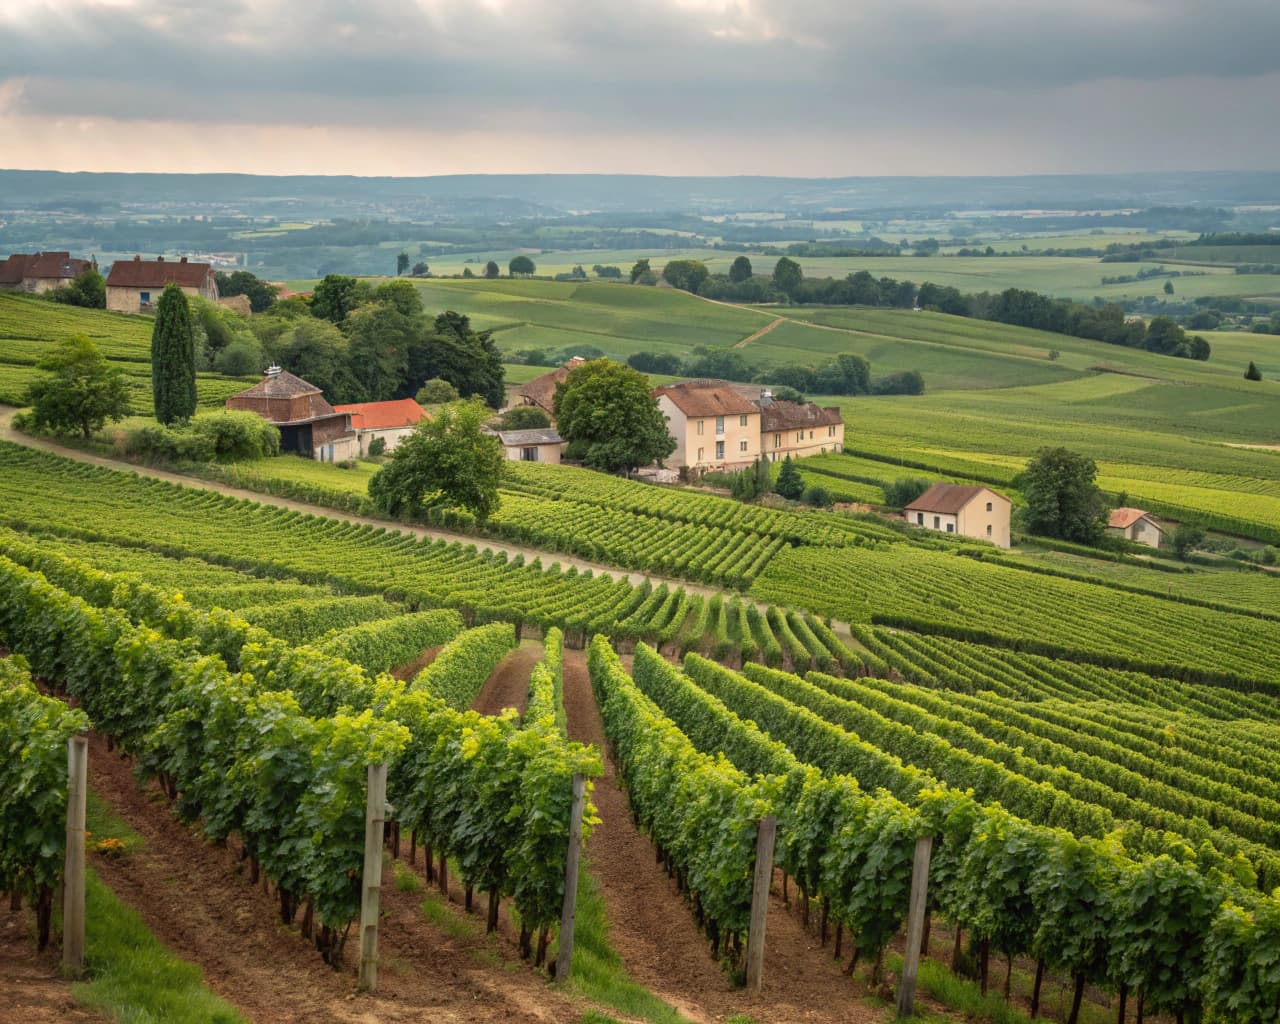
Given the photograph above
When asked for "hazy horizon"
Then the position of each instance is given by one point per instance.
(673, 88)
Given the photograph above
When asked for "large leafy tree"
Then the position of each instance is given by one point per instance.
(521, 265)
(1062, 499)
(241, 282)
(82, 391)
(740, 270)
(687, 275)
(606, 412)
(318, 352)
(379, 339)
(787, 275)
(448, 461)
(466, 358)
(173, 357)
(336, 296)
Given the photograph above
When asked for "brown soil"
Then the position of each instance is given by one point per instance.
(31, 990)
(654, 931)
(410, 669)
(508, 687)
(197, 899)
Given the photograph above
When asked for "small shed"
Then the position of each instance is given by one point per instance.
(1135, 525)
(540, 393)
(968, 511)
(392, 421)
(308, 424)
(542, 445)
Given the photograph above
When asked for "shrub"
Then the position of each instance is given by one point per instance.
(237, 435)
(903, 491)
(818, 497)
(151, 443)
(377, 446)
(193, 447)
(242, 358)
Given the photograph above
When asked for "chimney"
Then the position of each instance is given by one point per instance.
(183, 260)
(137, 258)
(273, 371)
(159, 259)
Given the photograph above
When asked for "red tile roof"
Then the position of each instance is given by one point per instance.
(947, 499)
(140, 273)
(707, 398)
(42, 265)
(403, 412)
(1123, 518)
(541, 391)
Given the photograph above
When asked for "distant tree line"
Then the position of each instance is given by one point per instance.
(846, 374)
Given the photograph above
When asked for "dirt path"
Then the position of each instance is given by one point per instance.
(653, 929)
(759, 334)
(508, 687)
(30, 989)
(197, 899)
(7, 433)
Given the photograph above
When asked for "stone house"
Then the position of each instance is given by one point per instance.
(714, 425)
(392, 421)
(308, 424)
(134, 286)
(543, 445)
(1135, 525)
(39, 272)
(968, 511)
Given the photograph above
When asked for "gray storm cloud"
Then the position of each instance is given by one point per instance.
(832, 73)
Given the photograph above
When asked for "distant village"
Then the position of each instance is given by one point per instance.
(717, 425)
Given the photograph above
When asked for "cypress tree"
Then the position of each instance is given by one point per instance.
(173, 358)
(1253, 373)
(789, 484)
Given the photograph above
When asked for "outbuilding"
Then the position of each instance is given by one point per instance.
(1135, 525)
(968, 511)
(542, 445)
(392, 421)
(308, 424)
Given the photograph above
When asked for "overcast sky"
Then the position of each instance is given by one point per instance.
(788, 87)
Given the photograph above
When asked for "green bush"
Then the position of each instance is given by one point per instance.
(818, 497)
(151, 443)
(237, 435)
(377, 446)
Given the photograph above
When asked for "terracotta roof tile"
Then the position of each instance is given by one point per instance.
(541, 391)
(947, 499)
(139, 273)
(707, 398)
(403, 412)
(1123, 518)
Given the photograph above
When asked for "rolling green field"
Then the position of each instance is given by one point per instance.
(29, 326)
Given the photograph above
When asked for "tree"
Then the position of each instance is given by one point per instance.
(422, 270)
(609, 417)
(740, 270)
(379, 339)
(173, 357)
(1253, 373)
(82, 392)
(789, 484)
(1168, 287)
(467, 359)
(317, 352)
(903, 491)
(900, 382)
(787, 275)
(87, 289)
(655, 362)
(337, 296)
(1186, 537)
(521, 265)
(491, 269)
(607, 272)
(448, 461)
(436, 392)
(402, 264)
(1062, 498)
(687, 275)
(847, 374)
(525, 417)
(641, 273)
(262, 296)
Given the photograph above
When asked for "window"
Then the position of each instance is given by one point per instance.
(719, 450)
(988, 509)
(951, 527)
(777, 440)
(742, 420)
(700, 451)
(144, 298)
(719, 425)
(920, 519)
(831, 431)
(799, 435)
(937, 523)
(811, 435)
(700, 423)
(742, 446)
(529, 454)
(988, 529)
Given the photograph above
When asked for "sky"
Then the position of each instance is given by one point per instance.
(806, 88)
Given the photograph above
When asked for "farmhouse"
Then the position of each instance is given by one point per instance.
(308, 424)
(1135, 525)
(39, 272)
(798, 428)
(532, 445)
(541, 391)
(392, 421)
(134, 286)
(714, 425)
(968, 511)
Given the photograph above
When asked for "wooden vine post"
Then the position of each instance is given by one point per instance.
(73, 870)
(564, 953)
(915, 926)
(374, 815)
(765, 836)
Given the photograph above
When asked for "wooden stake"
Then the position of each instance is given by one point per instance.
(765, 836)
(564, 953)
(374, 812)
(915, 926)
(73, 893)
